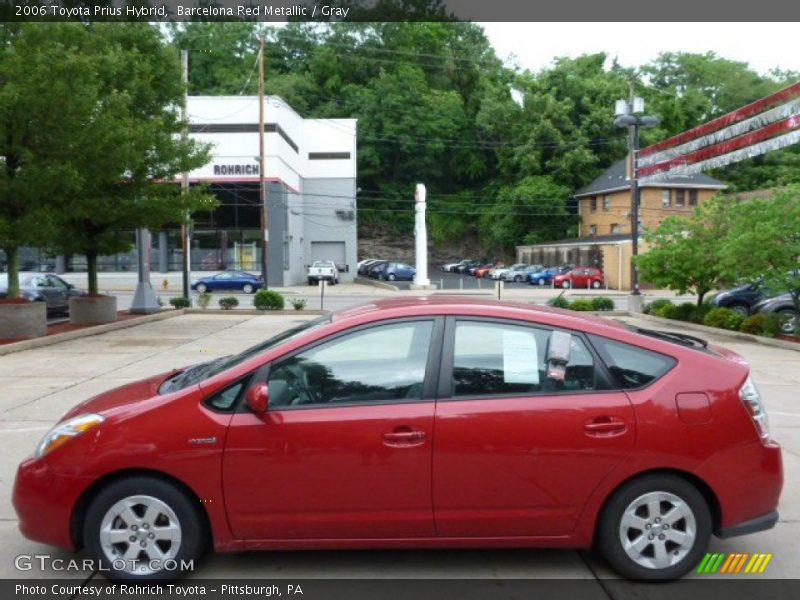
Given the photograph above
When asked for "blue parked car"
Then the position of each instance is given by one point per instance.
(544, 277)
(398, 271)
(229, 280)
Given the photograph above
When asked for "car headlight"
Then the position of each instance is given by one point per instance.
(64, 432)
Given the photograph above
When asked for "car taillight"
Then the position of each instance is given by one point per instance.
(755, 407)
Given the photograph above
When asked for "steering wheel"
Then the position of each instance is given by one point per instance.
(297, 381)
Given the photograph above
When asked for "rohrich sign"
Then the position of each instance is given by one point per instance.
(234, 169)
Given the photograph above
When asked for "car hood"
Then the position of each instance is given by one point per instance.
(120, 397)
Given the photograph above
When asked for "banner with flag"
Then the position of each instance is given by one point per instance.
(762, 126)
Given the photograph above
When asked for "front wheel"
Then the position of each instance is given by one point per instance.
(202, 288)
(144, 529)
(656, 527)
(391, 277)
(565, 285)
(542, 281)
(518, 279)
(596, 285)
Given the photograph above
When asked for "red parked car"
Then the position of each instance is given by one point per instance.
(417, 423)
(580, 277)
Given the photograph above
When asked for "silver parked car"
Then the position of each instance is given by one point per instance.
(43, 287)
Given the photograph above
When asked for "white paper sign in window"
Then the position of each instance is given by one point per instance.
(520, 357)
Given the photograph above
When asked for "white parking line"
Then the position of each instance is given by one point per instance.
(26, 429)
(783, 414)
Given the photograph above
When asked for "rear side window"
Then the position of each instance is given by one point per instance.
(631, 366)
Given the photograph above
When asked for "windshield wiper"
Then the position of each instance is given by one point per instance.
(681, 338)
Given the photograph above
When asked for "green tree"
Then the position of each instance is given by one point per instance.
(764, 240)
(532, 211)
(43, 81)
(129, 142)
(683, 253)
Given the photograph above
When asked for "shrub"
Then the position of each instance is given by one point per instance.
(228, 303)
(666, 311)
(268, 300)
(299, 303)
(559, 301)
(753, 324)
(582, 304)
(204, 299)
(180, 302)
(684, 312)
(651, 307)
(772, 324)
(602, 303)
(724, 318)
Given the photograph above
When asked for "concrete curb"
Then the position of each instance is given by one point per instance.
(736, 335)
(86, 332)
(252, 311)
(377, 284)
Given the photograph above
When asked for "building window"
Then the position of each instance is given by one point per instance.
(666, 198)
(593, 230)
(692, 197)
(606, 202)
(615, 228)
(593, 203)
(680, 198)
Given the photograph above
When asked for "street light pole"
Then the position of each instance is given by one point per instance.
(627, 116)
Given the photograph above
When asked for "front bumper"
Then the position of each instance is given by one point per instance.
(44, 501)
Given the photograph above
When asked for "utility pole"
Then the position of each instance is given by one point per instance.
(186, 241)
(262, 186)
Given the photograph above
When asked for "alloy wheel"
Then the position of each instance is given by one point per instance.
(138, 533)
(657, 530)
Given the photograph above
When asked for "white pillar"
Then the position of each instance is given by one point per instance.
(421, 236)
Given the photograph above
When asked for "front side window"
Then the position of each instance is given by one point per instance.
(497, 359)
(631, 366)
(379, 364)
(225, 399)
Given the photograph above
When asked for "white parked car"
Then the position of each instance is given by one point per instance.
(499, 273)
(323, 270)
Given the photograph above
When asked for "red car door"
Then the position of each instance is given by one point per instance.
(518, 453)
(344, 450)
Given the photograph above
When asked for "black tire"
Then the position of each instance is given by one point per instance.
(741, 308)
(596, 284)
(191, 524)
(391, 277)
(566, 284)
(608, 534)
(310, 281)
(788, 320)
(202, 288)
(518, 279)
(248, 288)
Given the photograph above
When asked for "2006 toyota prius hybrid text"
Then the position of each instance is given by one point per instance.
(417, 423)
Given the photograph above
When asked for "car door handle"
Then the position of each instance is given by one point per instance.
(404, 438)
(605, 427)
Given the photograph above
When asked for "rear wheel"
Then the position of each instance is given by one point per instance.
(518, 279)
(247, 288)
(541, 281)
(596, 284)
(391, 277)
(788, 320)
(143, 529)
(310, 281)
(656, 527)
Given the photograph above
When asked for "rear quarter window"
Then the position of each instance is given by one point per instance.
(631, 366)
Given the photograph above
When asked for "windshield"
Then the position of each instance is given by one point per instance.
(197, 373)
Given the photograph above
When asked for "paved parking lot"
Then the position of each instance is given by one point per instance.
(39, 385)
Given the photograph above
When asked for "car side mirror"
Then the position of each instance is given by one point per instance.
(257, 397)
(70, 286)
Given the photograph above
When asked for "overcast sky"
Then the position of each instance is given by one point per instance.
(762, 45)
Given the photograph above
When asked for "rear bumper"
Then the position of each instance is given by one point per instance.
(761, 523)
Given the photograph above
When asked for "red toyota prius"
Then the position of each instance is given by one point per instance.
(417, 423)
